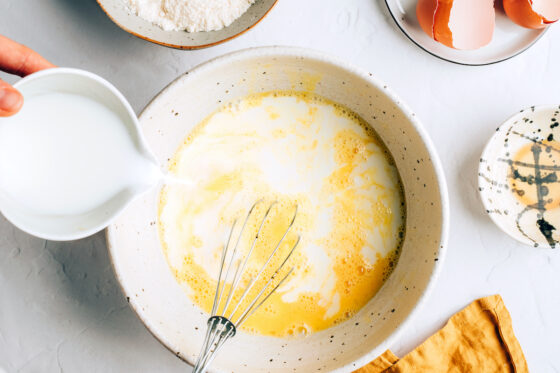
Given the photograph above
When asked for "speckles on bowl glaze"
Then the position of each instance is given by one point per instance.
(518, 176)
(297, 362)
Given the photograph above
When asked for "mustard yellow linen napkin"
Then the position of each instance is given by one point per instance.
(478, 339)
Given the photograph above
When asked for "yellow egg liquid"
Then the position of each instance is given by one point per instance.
(522, 178)
(297, 149)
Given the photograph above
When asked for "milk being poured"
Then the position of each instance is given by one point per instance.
(71, 161)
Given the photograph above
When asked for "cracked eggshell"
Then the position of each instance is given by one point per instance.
(459, 24)
(533, 14)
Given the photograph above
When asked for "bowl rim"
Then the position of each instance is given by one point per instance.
(306, 53)
(490, 145)
(185, 47)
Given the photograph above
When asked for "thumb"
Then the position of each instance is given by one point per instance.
(10, 100)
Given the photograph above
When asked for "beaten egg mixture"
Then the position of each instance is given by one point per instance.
(296, 149)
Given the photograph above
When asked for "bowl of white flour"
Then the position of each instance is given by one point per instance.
(186, 24)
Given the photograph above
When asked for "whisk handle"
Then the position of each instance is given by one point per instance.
(220, 329)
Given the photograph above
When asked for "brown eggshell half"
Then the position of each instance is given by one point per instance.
(426, 12)
(533, 14)
(459, 24)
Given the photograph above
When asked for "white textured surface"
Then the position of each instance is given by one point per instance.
(60, 306)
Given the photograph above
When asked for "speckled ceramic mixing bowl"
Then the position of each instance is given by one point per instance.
(158, 299)
(138, 26)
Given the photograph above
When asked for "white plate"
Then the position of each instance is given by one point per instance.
(509, 38)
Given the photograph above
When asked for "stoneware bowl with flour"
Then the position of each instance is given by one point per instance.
(126, 18)
(161, 302)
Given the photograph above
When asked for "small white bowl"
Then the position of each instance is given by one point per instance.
(137, 26)
(160, 301)
(72, 227)
(508, 179)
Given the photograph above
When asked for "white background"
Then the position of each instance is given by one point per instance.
(61, 308)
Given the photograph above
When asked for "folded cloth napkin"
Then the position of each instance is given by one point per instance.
(478, 339)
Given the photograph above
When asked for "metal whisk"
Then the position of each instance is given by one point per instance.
(223, 321)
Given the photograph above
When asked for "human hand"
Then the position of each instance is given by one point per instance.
(19, 60)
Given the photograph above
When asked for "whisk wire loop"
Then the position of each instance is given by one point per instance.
(267, 262)
(248, 309)
(237, 278)
(218, 295)
(233, 255)
(221, 324)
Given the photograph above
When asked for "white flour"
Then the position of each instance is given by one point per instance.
(190, 15)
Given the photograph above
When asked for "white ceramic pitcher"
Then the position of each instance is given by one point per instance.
(73, 157)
